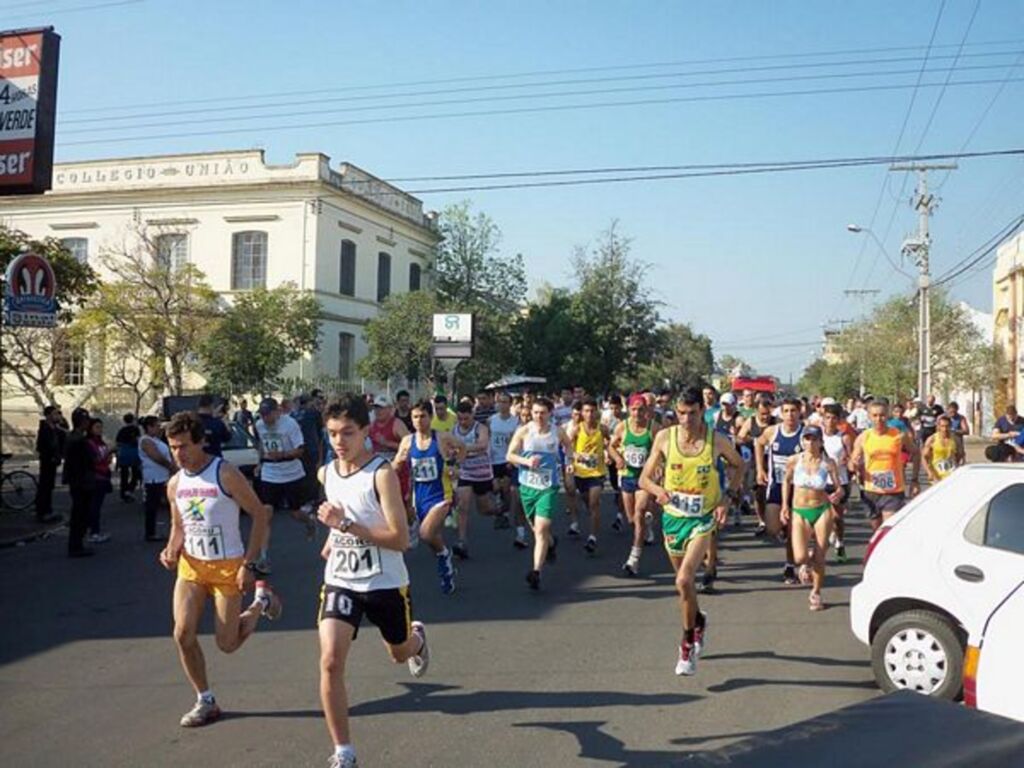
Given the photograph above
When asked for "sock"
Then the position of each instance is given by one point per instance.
(344, 750)
(634, 553)
(205, 697)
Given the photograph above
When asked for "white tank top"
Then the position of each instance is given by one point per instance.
(475, 468)
(151, 471)
(501, 435)
(836, 450)
(354, 563)
(208, 515)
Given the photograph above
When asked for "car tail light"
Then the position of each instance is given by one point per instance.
(876, 539)
(971, 660)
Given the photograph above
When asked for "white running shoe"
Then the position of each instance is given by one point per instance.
(687, 664)
(418, 664)
(348, 760)
(203, 713)
(273, 608)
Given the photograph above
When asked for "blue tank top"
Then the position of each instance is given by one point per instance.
(779, 451)
(427, 467)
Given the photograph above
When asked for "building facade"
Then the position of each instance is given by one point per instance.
(338, 232)
(1008, 312)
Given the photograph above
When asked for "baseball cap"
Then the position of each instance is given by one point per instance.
(728, 399)
(812, 432)
(382, 401)
(828, 401)
(268, 405)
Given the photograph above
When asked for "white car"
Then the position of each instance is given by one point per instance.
(941, 602)
(241, 450)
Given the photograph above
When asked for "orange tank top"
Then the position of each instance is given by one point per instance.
(883, 461)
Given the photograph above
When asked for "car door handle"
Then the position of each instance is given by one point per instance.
(969, 573)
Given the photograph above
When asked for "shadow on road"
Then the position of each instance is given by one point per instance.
(740, 683)
(821, 661)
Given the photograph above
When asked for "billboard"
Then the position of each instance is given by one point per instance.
(31, 292)
(28, 102)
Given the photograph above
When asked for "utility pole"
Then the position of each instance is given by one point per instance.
(917, 248)
(861, 294)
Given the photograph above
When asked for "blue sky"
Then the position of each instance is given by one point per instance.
(763, 257)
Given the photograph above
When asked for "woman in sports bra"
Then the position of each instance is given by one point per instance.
(807, 501)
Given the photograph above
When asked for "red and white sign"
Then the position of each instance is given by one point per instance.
(28, 96)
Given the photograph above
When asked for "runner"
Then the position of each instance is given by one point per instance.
(692, 505)
(534, 450)
(711, 406)
(476, 478)
(942, 451)
(502, 426)
(589, 439)
(568, 480)
(807, 508)
(205, 548)
(402, 409)
(746, 438)
(365, 573)
(444, 417)
(484, 407)
(839, 447)
(748, 404)
(778, 443)
(282, 482)
(425, 451)
(877, 454)
(629, 448)
(611, 417)
(386, 433)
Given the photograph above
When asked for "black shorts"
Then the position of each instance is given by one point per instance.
(501, 471)
(584, 484)
(290, 495)
(480, 487)
(878, 503)
(389, 609)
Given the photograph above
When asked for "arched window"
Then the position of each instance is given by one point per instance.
(347, 281)
(383, 276)
(414, 277)
(248, 261)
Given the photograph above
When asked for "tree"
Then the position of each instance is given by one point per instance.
(838, 380)
(32, 355)
(548, 337)
(162, 313)
(400, 338)
(616, 307)
(683, 359)
(258, 336)
(733, 366)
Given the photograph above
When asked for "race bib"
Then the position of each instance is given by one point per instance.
(944, 467)
(635, 456)
(884, 481)
(746, 454)
(778, 473)
(687, 504)
(205, 542)
(424, 470)
(273, 442)
(500, 442)
(587, 460)
(354, 559)
(538, 479)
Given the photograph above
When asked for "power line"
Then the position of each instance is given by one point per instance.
(983, 251)
(536, 73)
(106, 119)
(76, 9)
(816, 343)
(522, 110)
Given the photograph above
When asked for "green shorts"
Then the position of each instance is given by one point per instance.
(540, 503)
(678, 531)
(812, 514)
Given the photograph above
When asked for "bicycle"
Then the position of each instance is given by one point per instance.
(17, 488)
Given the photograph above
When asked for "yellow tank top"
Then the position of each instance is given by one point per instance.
(883, 462)
(691, 481)
(589, 452)
(943, 455)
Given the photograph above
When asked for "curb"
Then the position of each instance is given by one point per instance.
(25, 538)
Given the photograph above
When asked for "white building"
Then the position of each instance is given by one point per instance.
(346, 236)
(1008, 307)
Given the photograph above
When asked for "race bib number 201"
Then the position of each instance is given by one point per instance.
(353, 558)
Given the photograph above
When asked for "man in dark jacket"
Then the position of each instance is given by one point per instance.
(80, 475)
(50, 447)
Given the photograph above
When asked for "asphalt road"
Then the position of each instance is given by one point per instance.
(579, 674)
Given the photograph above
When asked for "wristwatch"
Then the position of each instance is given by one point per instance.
(250, 566)
(345, 524)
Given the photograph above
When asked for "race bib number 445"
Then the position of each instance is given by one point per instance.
(205, 542)
(353, 559)
(687, 504)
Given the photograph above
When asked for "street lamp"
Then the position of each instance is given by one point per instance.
(857, 229)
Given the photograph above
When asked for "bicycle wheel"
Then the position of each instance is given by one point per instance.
(18, 490)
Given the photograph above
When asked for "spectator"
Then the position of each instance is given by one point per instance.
(312, 425)
(101, 457)
(157, 467)
(243, 417)
(1009, 425)
(403, 411)
(217, 432)
(926, 416)
(127, 441)
(80, 475)
(50, 441)
(957, 421)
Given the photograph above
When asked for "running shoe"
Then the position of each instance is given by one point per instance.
(273, 607)
(452, 519)
(707, 581)
(418, 664)
(203, 713)
(649, 536)
(520, 542)
(761, 530)
(460, 550)
(552, 554)
(447, 583)
(262, 566)
(574, 530)
(446, 573)
(501, 522)
(815, 603)
(700, 636)
(805, 574)
(631, 568)
(348, 760)
(533, 580)
(789, 575)
(841, 553)
(98, 538)
(687, 664)
(591, 545)
(617, 524)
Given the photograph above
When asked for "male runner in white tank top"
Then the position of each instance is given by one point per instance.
(365, 573)
(206, 549)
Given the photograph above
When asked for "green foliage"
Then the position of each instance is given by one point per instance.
(683, 359)
(730, 365)
(839, 380)
(399, 338)
(262, 332)
(549, 337)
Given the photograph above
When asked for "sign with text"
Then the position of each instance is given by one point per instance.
(30, 293)
(28, 103)
(453, 328)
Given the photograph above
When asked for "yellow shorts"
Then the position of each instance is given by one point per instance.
(218, 576)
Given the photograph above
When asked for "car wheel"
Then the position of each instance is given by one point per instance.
(918, 651)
